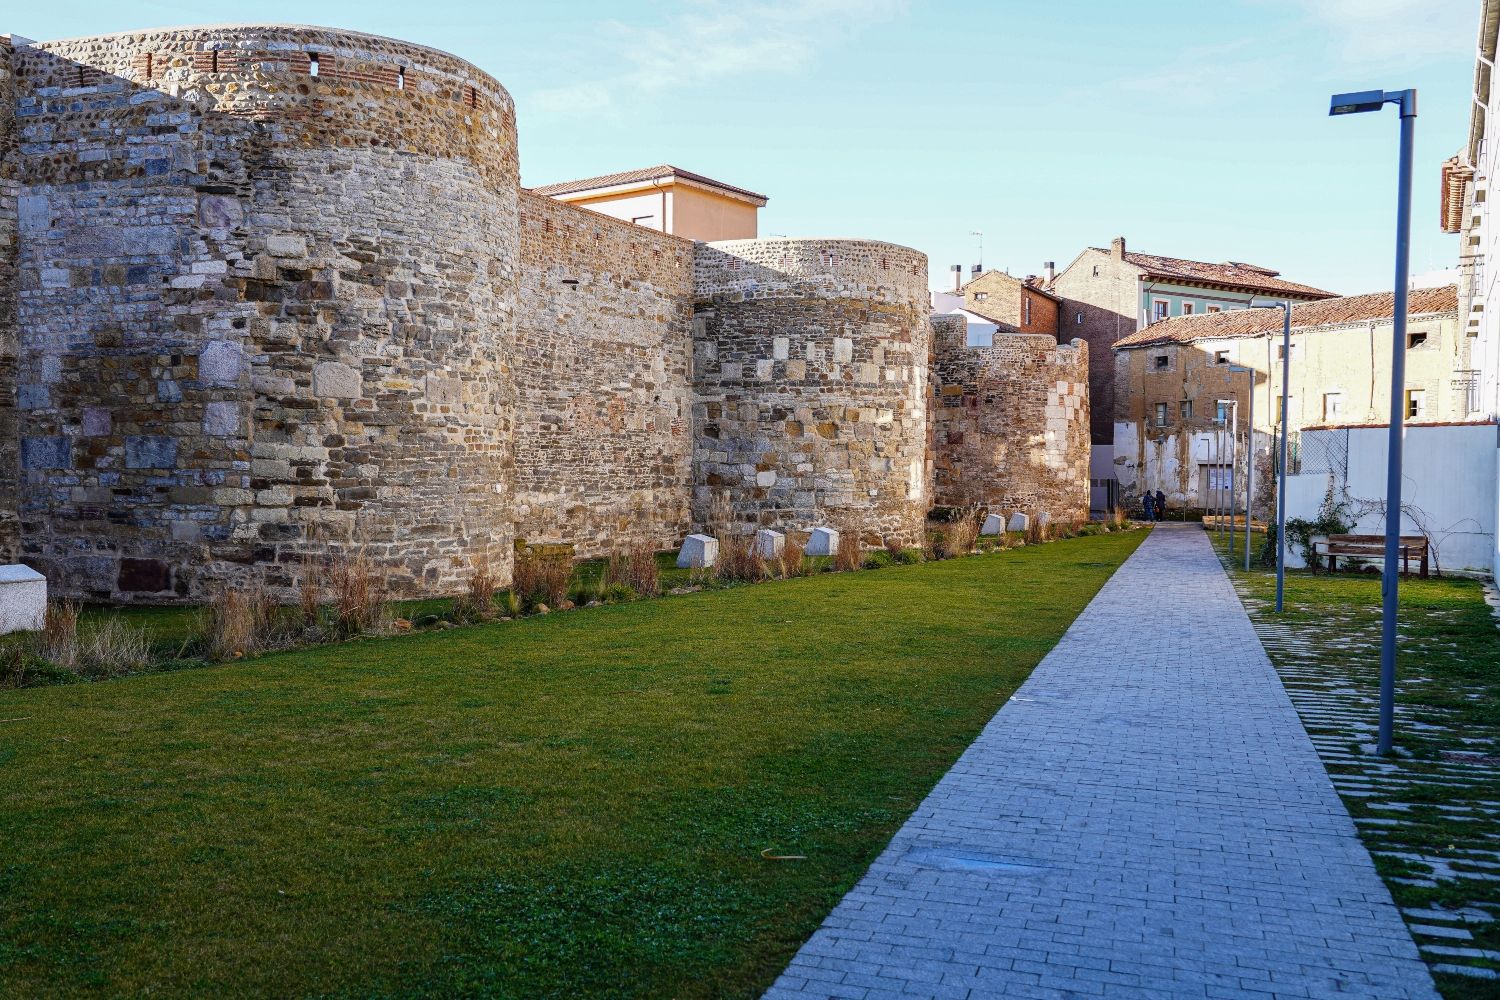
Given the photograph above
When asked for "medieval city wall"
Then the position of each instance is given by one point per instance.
(1010, 423)
(603, 426)
(10, 528)
(270, 294)
(267, 290)
(810, 370)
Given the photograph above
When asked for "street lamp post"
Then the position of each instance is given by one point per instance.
(1249, 456)
(1234, 457)
(1286, 360)
(1406, 102)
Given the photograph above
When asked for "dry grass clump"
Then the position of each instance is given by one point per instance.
(1036, 531)
(739, 559)
(108, 649)
(358, 598)
(477, 603)
(793, 559)
(240, 622)
(310, 591)
(542, 578)
(635, 568)
(850, 552)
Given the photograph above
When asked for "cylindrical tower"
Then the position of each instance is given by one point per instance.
(268, 289)
(810, 365)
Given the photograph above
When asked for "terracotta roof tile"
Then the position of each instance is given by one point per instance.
(1232, 274)
(1325, 312)
(644, 174)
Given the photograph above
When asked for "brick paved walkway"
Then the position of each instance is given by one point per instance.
(1145, 818)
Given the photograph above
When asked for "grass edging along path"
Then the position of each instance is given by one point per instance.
(1430, 816)
(571, 805)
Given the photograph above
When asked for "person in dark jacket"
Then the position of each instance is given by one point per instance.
(1148, 504)
(1161, 505)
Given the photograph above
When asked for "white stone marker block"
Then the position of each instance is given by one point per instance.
(993, 525)
(698, 552)
(1043, 519)
(823, 542)
(23, 599)
(1018, 522)
(769, 543)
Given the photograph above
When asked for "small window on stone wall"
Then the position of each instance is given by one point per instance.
(149, 66)
(1079, 318)
(1185, 409)
(1160, 362)
(312, 64)
(400, 77)
(1161, 414)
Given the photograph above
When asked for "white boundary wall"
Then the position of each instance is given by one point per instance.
(1449, 476)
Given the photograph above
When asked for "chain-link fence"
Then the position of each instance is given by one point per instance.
(1319, 451)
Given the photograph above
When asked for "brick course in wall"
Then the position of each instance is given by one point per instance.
(1009, 423)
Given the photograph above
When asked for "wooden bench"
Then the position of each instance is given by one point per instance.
(1372, 547)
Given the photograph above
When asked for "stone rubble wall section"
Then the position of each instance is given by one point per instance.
(604, 441)
(810, 367)
(10, 525)
(267, 283)
(1010, 423)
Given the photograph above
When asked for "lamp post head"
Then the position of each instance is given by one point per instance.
(1361, 101)
(1357, 102)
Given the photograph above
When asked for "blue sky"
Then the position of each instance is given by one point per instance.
(1195, 128)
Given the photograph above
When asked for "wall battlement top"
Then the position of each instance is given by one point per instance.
(820, 267)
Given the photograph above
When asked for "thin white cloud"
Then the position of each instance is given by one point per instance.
(712, 40)
(1394, 32)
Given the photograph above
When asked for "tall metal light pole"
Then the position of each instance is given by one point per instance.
(1286, 360)
(1406, 102)
(1249, 457)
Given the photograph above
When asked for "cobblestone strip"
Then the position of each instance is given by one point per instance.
(1145, 818)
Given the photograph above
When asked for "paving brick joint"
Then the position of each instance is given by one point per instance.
(1146, 817)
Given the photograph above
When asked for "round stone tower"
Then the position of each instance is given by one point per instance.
(810, 365)
(268, 283)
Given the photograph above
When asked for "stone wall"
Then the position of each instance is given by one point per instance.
(603, 426)
(1010, 423)
(267, 289)
(10, 529)
(810, 368)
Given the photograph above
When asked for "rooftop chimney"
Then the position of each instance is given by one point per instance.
(958, 277)
(1117, 248)
(1049, 271)
(974, 271)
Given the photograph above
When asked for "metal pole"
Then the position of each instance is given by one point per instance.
(1389, 577)
(1249, 467)
(1234, 457)
(1286, 360)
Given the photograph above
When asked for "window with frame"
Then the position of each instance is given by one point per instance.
(1096, 270)
(1160, 362)
(1221, 357)
(981, 296)
(1221, 411)
(1281, 351)
(1026, 310)
(1333, 405)
(1416, 404)
(1185, 410)
(1078, 319)
(1418, 339)
(1160, 309)
(1187, 308)
(1214, 309)
(1161, 414)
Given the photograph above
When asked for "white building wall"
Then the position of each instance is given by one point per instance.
(1447, 487)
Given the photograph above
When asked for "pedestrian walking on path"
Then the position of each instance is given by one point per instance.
(1148, 505)
(1145, 818)
(1161, 505)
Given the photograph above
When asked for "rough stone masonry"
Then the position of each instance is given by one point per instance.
(272, 293)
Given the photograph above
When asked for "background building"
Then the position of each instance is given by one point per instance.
(1175, 393)
(667, 199)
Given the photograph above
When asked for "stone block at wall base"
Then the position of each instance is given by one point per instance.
(994, 524)
(823, 542)
(23, 599)
(1018, 522)
(698, 552)
(769, 544)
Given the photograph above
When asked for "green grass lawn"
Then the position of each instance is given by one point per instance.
(572, 805)
(1431, 815)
